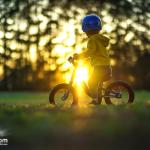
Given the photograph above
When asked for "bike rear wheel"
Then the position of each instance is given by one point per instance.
(63, 95)
(118, 93)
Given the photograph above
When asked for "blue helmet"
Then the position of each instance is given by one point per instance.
(91, 22)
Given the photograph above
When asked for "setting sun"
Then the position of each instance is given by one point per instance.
(81, 74)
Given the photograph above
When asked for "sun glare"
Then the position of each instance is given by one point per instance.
(32, 52)
(81, 75)
(1, 71)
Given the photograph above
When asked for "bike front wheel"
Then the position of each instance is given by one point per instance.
(118, 93)
(63, 95)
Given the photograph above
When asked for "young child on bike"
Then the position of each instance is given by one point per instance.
(97, 51)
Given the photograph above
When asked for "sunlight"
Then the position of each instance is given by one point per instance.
(81, 74)
(22, 25)
(112, 62)
(129, 36)
(60, 50)
(33, 30)
(13, 45)
(53, 67)
(9, 35)
(108, 28)
(1, 71)
(32, 52)
(60, 38)
(65, 66)
(1, 49)
(43, 40)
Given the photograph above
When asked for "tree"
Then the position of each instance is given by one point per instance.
(125, 21)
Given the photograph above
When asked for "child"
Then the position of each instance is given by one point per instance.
(96, 50)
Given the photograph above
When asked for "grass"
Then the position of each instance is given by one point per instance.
(23, 97)
(29, 122)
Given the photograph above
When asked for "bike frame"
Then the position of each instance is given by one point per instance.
(84, 85)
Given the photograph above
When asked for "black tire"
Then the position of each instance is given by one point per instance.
(63, 86)
(113, 86)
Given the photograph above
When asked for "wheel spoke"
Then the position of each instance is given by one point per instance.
(124, 95)
(59, 101)
(119, 92)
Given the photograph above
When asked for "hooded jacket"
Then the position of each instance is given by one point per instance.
(97, 50)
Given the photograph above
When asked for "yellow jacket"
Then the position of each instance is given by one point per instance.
(96, 50)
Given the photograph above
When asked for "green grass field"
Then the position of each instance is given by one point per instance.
(29, 122)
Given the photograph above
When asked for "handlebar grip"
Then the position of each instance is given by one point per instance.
(70, 59)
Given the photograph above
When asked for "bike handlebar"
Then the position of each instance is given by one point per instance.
(70, 59)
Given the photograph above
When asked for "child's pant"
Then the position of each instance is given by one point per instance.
(99, 75)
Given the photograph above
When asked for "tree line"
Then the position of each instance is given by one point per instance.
(28, 29)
